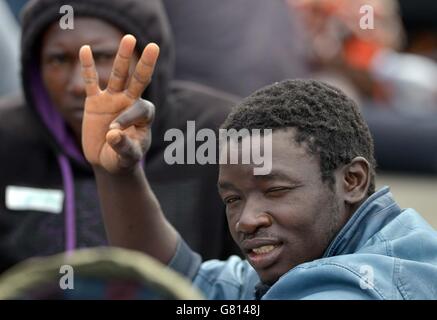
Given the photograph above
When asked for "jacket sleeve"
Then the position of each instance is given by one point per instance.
(185, 261)
(233, 278)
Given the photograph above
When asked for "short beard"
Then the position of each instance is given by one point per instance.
(335, 224)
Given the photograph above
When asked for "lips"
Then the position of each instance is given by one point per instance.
(262, 253)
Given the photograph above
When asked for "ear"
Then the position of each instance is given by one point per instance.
(356, 180)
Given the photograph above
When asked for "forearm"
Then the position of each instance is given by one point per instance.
(132, 215)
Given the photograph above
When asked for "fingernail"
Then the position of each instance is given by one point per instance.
(117, 139)
(114, 125)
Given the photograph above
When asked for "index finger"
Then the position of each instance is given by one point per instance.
(143, 71)
(89, 72)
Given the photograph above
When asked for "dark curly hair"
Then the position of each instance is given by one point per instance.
(327, 120)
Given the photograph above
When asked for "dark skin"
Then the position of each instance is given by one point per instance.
(116, 134)
(291, 210)
(290, 215)
(60, 65)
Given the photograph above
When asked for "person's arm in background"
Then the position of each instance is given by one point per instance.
(116, 134)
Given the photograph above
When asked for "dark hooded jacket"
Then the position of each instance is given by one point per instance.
(37, 150)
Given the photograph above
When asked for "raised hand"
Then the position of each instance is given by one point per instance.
(116, 128)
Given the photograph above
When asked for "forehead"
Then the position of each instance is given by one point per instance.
(287, 158)
(87, 30)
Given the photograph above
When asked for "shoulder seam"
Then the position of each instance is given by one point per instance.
(398, 281)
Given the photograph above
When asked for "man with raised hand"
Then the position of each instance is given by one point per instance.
(312, 228)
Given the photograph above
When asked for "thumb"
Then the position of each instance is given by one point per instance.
(128, 150)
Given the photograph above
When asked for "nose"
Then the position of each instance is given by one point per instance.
(76, 85)
(252, 218)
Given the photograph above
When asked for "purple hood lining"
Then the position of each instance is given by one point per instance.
(68, 149)
(51, 117)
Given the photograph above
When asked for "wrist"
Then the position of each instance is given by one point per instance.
(129, 172)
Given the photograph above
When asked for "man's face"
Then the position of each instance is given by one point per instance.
(61, 67)
(285, 218)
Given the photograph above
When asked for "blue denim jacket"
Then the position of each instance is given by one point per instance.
(383, 252)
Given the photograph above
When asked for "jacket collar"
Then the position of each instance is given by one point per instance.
(376, 212)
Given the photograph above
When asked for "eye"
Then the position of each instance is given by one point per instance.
(277, 191)
(57, 59)
(230, 199)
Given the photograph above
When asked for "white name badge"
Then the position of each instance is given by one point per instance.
(23, 198)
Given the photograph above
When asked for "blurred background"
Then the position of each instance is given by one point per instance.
(383, 53)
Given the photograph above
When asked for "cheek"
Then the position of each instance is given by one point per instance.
(55, 83)
(312, 219)
(232, 221)
(104, 72)
(295, 214)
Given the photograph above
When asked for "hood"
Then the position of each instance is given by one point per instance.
(146, 20)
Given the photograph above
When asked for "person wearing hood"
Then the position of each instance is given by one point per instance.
(48, 200)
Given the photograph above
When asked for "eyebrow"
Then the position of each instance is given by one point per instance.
(277, 175)
(225, 186)
(274, 175)
(54, 51)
